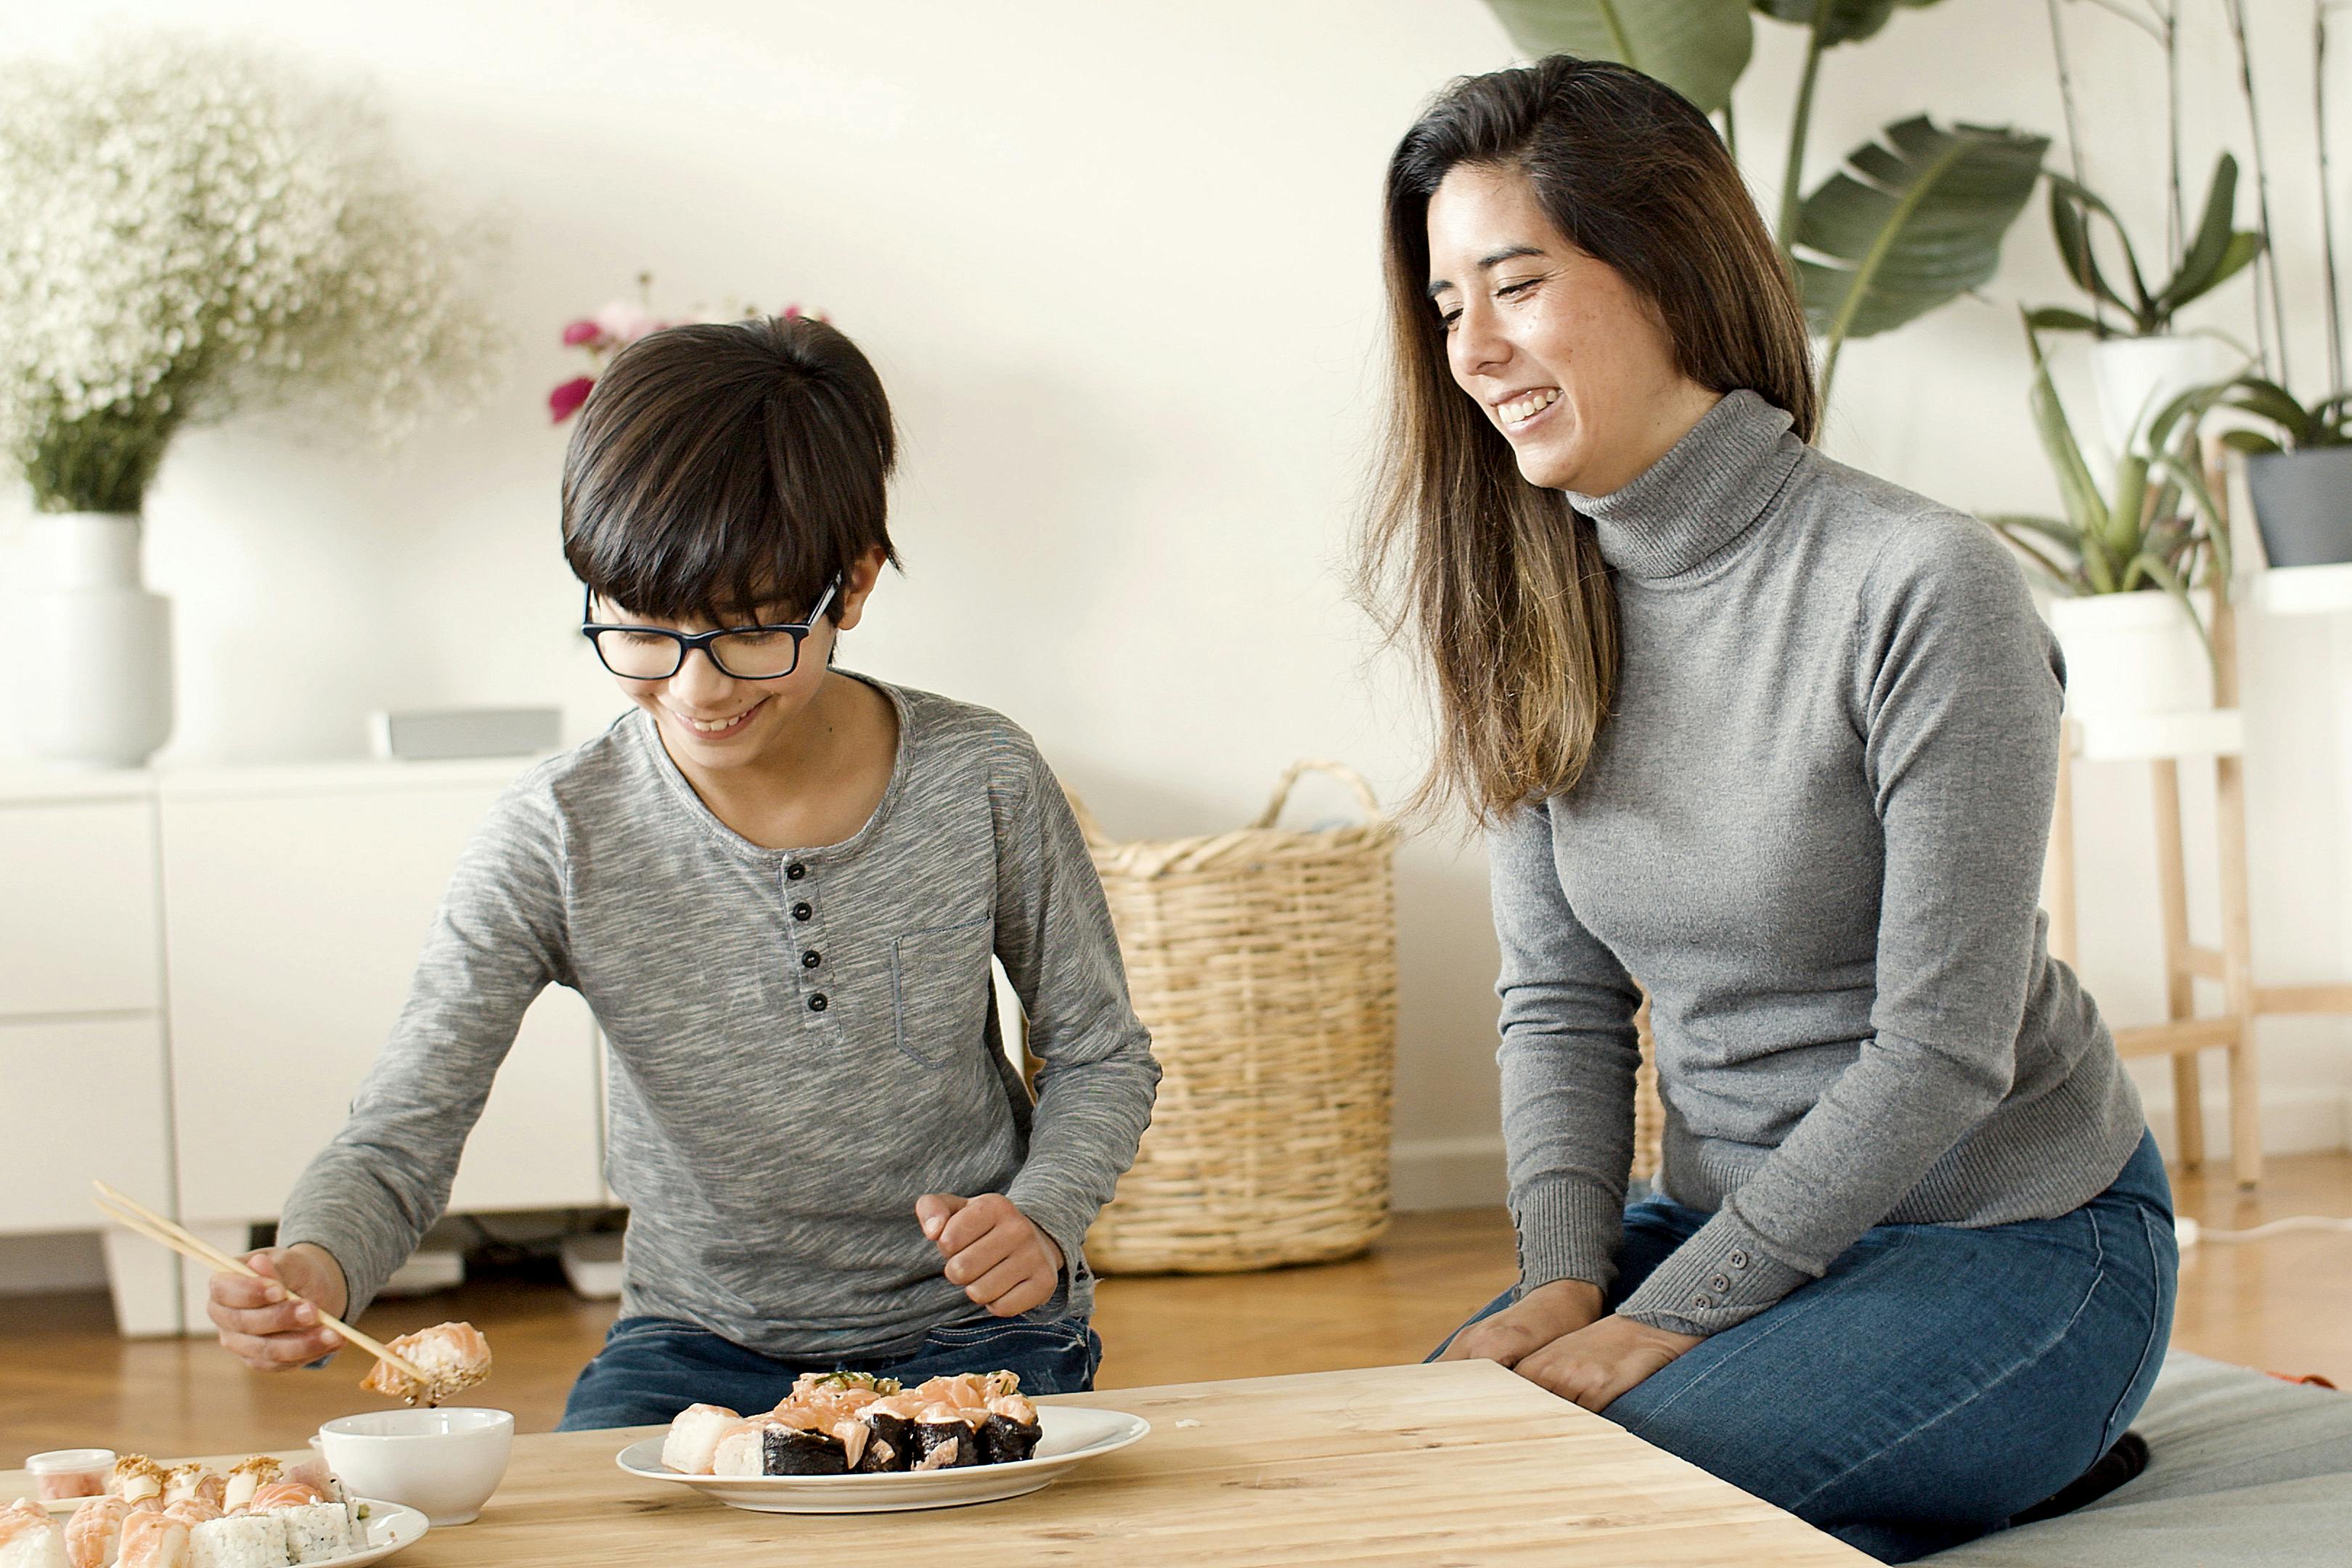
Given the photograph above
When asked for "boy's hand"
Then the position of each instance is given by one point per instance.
(994, 1250)
(260, 1326)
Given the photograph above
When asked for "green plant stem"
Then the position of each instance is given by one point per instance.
(2266, 264)
(1793, 185)
(2326, 207)
(2176, 213)
(2074, 134)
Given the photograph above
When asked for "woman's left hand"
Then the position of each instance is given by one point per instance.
(1594, 1366)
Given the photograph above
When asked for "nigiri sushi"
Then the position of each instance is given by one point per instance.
(153, 1540)
(29, 1538)
(94, 1533)
(694, 1434)
(246, 1477)
(134, 1478)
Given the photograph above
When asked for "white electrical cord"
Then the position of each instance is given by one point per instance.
(2189, 1233)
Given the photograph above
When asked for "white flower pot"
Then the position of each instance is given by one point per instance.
(96, 691)
(2137, 377)
(2131, 655)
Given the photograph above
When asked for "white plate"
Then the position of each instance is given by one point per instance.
(1072, 1432)
(389, 1526)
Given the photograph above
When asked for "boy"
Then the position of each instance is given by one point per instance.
(778, 885)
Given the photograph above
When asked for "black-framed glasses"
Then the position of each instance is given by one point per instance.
(743, 653)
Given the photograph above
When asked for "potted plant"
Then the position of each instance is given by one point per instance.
(2130, 565)
(2300, 477)
(185, 233)
(1913, 220)
(2138, 364)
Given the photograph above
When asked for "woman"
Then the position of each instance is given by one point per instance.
(1776, 742)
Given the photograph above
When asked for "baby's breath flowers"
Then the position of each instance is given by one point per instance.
(187, 229)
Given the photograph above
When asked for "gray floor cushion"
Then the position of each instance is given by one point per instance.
(2242, 1469)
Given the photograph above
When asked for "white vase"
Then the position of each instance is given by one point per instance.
(2137, 377)
(2132, 655)
(98, 689)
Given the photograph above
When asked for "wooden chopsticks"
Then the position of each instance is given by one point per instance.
(133, 1215)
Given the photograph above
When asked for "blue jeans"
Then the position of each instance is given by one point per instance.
(1935, 1381)
(652, 1368)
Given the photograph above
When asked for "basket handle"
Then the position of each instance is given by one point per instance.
(1340, 771)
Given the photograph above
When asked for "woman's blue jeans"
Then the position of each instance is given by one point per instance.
(1935, 1381)
(652, 1368)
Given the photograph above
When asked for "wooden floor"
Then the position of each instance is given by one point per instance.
(66, 1379)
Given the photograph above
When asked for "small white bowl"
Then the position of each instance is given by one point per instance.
(444, 1463)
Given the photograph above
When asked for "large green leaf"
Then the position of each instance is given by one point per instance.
(1699, 48)
(1841, 21)
(1911, 223)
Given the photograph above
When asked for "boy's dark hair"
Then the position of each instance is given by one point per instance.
(719, 467)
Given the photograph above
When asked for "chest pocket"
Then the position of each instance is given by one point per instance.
(939, 985)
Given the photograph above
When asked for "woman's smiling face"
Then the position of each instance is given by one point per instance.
(1562, 354)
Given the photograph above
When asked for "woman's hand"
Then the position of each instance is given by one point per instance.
(994, 1250)
(1527, 1325)
(259, 1323)
(1597, 1363)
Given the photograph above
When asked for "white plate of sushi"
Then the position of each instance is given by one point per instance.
(383, 1528)
(847, 1444)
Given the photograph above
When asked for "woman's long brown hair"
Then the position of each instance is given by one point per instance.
(1499, 583)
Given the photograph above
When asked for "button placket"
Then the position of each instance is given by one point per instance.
(807, 935)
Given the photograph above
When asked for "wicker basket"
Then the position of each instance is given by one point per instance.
(1264, 962)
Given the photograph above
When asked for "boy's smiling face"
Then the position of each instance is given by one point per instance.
(712, 722)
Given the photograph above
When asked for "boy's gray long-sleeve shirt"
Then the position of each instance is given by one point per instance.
(800, 1042)
(1813, 829)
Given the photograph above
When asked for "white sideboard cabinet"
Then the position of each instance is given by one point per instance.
(197, 968)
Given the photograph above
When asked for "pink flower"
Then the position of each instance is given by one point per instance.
(582, 331)
(626, 321)
(565, 400)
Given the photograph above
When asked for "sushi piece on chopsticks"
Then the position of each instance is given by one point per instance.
(134, 1215)
(445, 1359)
(29, 1538)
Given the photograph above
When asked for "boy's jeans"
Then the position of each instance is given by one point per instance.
(652, 1368)
(1935, 1381)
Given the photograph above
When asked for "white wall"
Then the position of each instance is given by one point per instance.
(1117, 265)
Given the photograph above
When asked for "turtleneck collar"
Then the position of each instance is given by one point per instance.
(1707, 491)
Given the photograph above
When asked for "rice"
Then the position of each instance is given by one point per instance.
(315, 1532)
(240, 1541)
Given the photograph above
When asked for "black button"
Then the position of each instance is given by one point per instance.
(795, 871)
(816, 1003)
(804, 911)
(810, 959)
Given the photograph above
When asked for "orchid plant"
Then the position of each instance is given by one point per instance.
(621, 322)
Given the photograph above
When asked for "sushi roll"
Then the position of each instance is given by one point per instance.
(452, 1356)
(246, 1477)
(244, 1540)
(891, 1420)
(947, 1436)
(315, 1532)
(284, 1494)
(812, 1440)
(1012, 1430)
(134, 1478)
(29, 1538)
(153, 1539)
(741, 1450)
(694, 1435)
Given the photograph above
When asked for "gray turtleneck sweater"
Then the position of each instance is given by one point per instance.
(1812, 829)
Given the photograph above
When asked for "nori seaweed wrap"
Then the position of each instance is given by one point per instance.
(794, 1451)
(941, 1424)
(1012, 1433)
(891, 1445)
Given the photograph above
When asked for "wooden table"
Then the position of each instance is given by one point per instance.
(1463, 1464)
